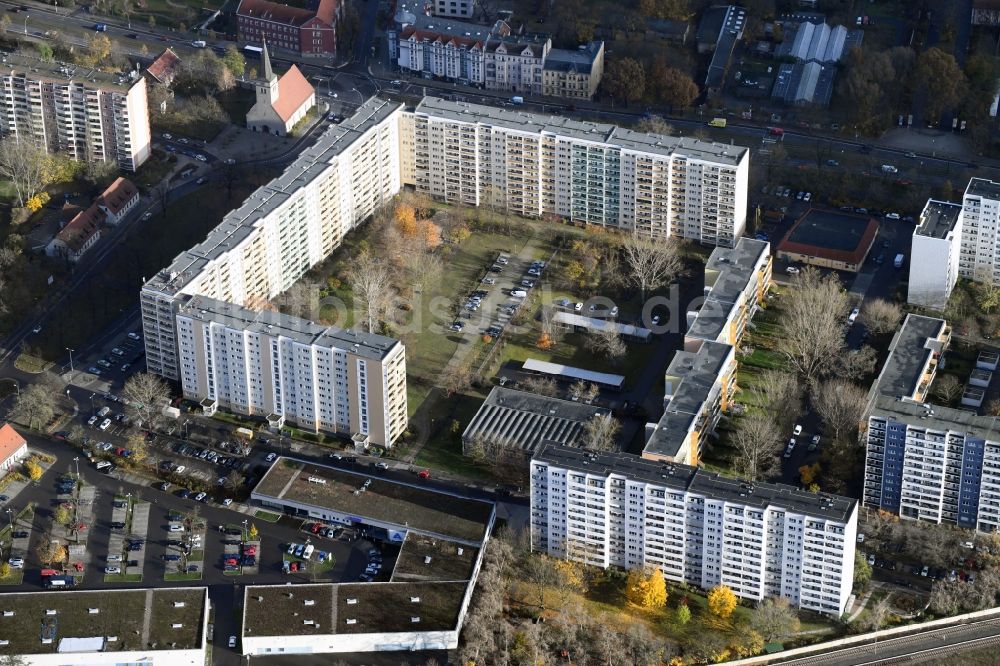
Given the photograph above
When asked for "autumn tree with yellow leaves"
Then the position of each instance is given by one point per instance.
(721, 601)
(646, 590)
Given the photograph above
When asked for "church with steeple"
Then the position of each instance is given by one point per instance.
(281, 101)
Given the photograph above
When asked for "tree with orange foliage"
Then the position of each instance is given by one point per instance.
(406, 219)
(544, 341)
(430, 233)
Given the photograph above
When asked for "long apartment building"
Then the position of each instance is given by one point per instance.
(536, 165)
(86, 114)
(257, 252)
(322, 378)
(927, 462)
(701, 378)
(761, 540)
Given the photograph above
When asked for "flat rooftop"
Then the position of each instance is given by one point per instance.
(529, 419)
(938, 218)
(237, 225)
(19, 64)
(612, 135)
(832, 235)
(427, 559)
(694, 480)
(982, 187)
(692, 376)
(120, 614)
(909, 353)
(934, 417)
(351, 608)
(266, 322)
(728, 274)
(409, 507)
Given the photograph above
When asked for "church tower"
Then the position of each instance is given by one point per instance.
(267, 87)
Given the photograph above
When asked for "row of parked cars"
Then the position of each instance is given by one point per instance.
(374, 566)
(208, 455)
(787, 193)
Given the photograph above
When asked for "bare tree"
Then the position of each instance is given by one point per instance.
(877, 614)
(841, 405)
(607, 341)
(781, 392)
(774, 619)
(813, 319)
(34, 406)
(577, 389)
(234, 481)
(857, 363)
(540, 386)
(652, 263)
(590, 395)
(600, 433)
(24, 164)
(371, 282)
(881, 316)
(947, 388)
(756, 440)
(146, 394)
(655, 125)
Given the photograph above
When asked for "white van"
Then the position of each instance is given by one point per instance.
(198, 44)
(519, 293)
(104, 412)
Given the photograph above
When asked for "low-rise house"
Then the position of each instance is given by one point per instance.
(118, 200)
(164, 68)
(13, 448)
(79, 235)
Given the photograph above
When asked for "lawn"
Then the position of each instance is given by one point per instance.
(16, 577)
(176, 577)
(123, 578)
(267, 516)
(114, 292)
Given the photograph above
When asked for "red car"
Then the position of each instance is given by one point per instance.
(250, 550)
(424, 474)
(294, 567)
(314, 528)
(231, 561)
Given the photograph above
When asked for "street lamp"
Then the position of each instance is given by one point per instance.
(70, 359)
(26, 24)
(245, 530)
(76, 459)
(92, 402)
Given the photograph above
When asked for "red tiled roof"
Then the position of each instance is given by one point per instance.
(118, 194)
(82, 227)
(279, 13)
(165, 66)
(10, 441)
(293, 91)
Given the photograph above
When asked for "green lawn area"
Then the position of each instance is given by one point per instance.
(267, 516)
(572, 350)
(16, 577)
(123, 578)
(107, 295)
(175, 577)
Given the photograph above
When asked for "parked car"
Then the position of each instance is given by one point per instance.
(112, 570)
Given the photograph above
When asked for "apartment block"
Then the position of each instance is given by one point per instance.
(980, 231)
(536, 165)
(273, 365)
(935, 254)
(701, 378)
(83, 113)
(263, 247)
(761, 540)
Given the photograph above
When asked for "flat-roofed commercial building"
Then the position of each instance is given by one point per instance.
(81, 112)
(266, 363)
(422, 606)
(829, 239)
(761, 540)
(526, 420)
(162, 627)
(935, 254)
(535, 165)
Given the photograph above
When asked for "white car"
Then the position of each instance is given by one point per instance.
(105, 424)
(16, 562)
(792, 270)
(270, 457)
(851, 318)
(578, 307)
(112, 570)
(179, 469)
(37, 329)
(114, 558)
(797, 430)
(92, 420)
(232, 641)
(200, 497)
(227, 501)
(148, 214)
(176, 528)
(201, 158)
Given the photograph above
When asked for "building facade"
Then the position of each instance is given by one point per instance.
(308, 32)
(762, 540)
(536, 165)
(980, 229)
(266, 363)
(282, 230)
(935, 253)
(13, 448)
(83, 113)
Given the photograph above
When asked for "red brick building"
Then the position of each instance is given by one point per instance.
(307, 32)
